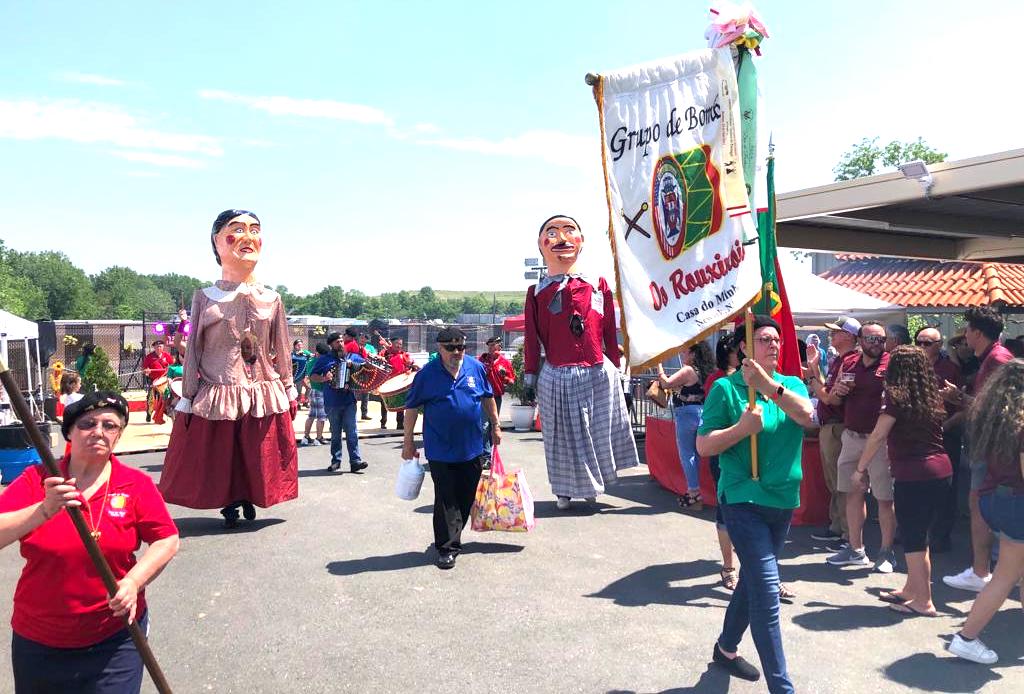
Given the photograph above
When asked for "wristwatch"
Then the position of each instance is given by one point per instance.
(778, 392)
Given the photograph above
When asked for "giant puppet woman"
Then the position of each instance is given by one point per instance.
(234, 448)
(587, 433)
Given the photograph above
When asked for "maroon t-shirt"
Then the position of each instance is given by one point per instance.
(862, 405)
(946, 370)
(827, 414)
(1009, 476)
(915, 447)
(991, 359)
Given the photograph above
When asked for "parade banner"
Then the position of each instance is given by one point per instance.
(677, 199)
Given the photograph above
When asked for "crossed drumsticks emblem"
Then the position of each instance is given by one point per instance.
(633, 224)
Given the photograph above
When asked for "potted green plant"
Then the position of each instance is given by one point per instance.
(524, 409)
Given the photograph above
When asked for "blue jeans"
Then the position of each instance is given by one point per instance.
(344, 418)
(687, 420)
(1003, 511)
(758, 534)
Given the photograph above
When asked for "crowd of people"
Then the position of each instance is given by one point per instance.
(897, 418)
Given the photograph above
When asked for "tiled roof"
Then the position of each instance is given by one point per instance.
(929, 283)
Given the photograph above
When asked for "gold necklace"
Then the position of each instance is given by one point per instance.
(93, 526)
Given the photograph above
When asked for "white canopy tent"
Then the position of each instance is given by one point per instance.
(814, 301)
(16, 329)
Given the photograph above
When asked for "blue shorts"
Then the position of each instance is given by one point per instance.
(1003, 511)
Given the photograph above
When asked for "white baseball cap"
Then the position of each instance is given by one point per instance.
(846, 324)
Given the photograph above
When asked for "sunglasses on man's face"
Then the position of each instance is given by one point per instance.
(926, 343)
(454, 348)
(874, 339)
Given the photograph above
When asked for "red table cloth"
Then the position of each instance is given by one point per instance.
(663, 464)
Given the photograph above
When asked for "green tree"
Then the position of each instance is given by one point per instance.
(67, 289)
(329, 301)
(866, 157)
(124, 293)
(99, 374)
(17, 293)
(179, 287)
(356, 305)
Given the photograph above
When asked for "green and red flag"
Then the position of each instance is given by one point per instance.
(773, 301)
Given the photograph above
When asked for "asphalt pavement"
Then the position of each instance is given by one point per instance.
(337, 592)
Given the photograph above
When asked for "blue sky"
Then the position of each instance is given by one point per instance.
(392, 145)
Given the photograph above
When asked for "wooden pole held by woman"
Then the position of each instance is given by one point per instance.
(748, 320)
(42, 446)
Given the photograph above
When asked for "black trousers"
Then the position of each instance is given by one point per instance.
(454, 491)
(400, 415)
(946, 517)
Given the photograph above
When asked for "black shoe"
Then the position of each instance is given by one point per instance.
(230, 514)
(826, 535)
(737, 667)
(149, 417)
(248, 511)
(445, 560)
(323, 441)
(333, 467)
(359, 465)
(366, 418)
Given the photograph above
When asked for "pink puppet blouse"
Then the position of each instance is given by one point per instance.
(238, 359)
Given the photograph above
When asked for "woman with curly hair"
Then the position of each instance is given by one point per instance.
(687, 405)
(995, 429)
(911, 424)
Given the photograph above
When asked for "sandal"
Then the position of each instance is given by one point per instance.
(691, 502)
(729, 578)
(785, 593)
(892, 597)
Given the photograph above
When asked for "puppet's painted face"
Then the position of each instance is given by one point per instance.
(560, 243)
(239, 242)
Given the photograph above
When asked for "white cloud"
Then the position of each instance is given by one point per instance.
(86, 78)
(307, 108)
(160, 159)
(90, 122)
(426, 128)
(548, 145)
(256, 142)
(143, 174)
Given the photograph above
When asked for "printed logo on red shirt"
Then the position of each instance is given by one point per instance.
(118, 505)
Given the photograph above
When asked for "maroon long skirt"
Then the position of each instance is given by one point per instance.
(213, 463)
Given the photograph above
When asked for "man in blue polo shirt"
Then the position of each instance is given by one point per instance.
(454, 393)
(340, 403)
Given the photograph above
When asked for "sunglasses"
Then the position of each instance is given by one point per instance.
(88, 424)
(769, 340)
(454, 348)
(926, 343)
(874, 339)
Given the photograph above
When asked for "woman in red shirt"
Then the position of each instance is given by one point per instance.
(910, 424)
(996, 433)
(69, 636)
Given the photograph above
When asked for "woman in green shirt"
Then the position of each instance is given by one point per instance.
(757, 512)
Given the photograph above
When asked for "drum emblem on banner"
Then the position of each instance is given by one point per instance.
(685, 199)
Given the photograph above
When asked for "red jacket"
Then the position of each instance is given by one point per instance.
(552, 330)
(499, 372)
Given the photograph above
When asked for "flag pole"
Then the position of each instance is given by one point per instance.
(748, 321)
(42, 446)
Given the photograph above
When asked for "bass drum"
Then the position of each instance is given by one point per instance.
(394, 391)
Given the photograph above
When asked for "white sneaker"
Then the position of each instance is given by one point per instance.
(563, 503)
(972, 650)
(967, 580)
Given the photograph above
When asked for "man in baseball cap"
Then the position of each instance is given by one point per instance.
(843, 337)
(846, 324)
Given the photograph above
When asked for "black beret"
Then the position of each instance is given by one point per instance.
(331, 337)
(451, 335)
(93, 401)
(496, 340)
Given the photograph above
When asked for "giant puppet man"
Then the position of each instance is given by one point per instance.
(234, 447)
(587, 434)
